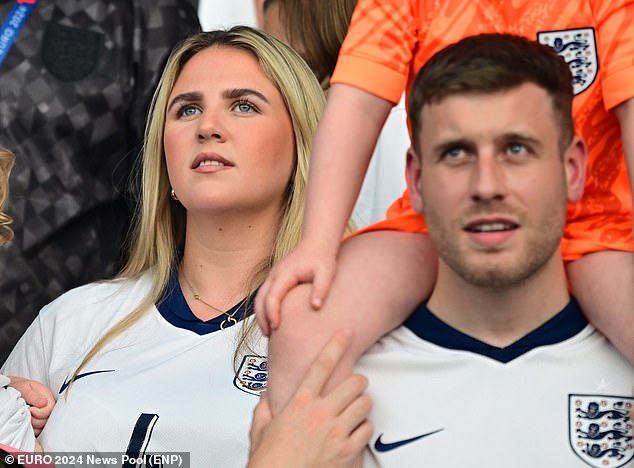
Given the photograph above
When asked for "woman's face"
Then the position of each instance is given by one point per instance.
(228, 138)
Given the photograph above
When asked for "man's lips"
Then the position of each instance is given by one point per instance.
(491, 231)
(491, 226)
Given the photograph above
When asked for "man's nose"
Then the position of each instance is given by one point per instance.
(488, 179)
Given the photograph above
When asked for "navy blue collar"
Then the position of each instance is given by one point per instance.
(174, 308)
(566, 324)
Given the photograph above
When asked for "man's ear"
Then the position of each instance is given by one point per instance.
(575, 164)
(413, 175)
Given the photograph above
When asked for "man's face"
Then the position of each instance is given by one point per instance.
(492, 183)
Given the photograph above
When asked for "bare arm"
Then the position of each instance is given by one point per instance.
(341, 152)
(603, 283)
(342, 148)
(382, 276)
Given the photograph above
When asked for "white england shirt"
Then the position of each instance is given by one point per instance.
(559, 397)
(167, 384)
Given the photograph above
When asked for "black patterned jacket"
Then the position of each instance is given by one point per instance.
(74, 91)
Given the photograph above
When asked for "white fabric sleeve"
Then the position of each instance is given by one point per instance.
(15, 419)
(29, 359)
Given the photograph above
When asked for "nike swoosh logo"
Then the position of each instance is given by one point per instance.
(81, 376)
(380, 446)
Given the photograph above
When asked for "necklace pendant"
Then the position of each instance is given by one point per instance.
(229, 321)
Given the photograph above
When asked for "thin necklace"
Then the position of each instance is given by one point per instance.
(229, 318)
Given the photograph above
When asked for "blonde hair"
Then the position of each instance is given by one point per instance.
(6, 163)
(160, 222)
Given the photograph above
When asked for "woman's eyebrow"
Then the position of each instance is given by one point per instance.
(185, 97)
(228, 94)
(242, 92)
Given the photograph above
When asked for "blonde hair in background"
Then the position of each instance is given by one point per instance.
(160, 221)
(6, 163)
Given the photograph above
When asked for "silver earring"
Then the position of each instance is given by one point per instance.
(173, 195)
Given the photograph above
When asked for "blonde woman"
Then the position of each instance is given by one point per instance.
(167, 358)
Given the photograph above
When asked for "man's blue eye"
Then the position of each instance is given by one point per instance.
(516, 148)
(455, 152)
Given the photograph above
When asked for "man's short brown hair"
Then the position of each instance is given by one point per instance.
(490, 63)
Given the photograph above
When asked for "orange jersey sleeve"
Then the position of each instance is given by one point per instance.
(378, 50)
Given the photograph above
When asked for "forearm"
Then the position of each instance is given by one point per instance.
(341, 152)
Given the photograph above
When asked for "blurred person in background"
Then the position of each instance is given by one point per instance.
(75, 84)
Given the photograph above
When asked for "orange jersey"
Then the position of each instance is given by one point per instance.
(389, 40)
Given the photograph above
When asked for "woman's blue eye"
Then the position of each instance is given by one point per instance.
(188, 111)
(244, 106)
